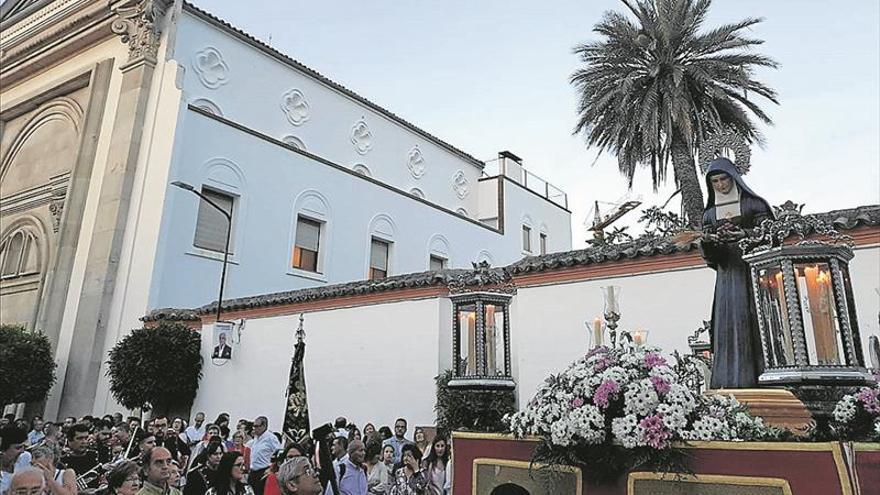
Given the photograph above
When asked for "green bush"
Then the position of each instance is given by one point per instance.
(27, 369)
(159, 367)
(472, 410)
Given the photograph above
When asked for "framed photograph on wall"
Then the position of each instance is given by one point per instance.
(222, 340)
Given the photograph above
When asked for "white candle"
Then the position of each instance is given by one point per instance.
(640, 336)
(597, 332)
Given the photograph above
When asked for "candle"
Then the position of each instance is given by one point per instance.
(597, 332)
(611, 303)
(640, 336)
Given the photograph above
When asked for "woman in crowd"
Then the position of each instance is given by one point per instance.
(354, 433)
(436, 463)
(174, 479)
(378, 473)
(222, 422)
(421, 440)
(123, 479)
(179, 425)
(238, 445)
(58, 481)
(289, 452)
(204, 471)
(369, 430)
(388, 457)
(211, 431)
(230, 478)
(409, 478)
(385, 433)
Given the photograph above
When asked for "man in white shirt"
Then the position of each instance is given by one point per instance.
(264, 444)
(196, 431)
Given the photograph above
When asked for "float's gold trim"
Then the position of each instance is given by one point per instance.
(709, 478)
(485, 461)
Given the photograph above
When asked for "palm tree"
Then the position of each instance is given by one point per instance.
(651, 91)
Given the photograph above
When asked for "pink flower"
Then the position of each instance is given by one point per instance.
(653, 359)
(604, 392)
(660, 384)
(654, 432)
(604, 362)
(869, 399)
(577, 402)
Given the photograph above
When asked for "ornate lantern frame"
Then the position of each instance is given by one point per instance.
(481, 378)
(767, 254)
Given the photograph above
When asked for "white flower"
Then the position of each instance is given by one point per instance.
(640, 398)
(559, 434)
(673, 416)
(625, 431)
(845, 410)
(587, 422)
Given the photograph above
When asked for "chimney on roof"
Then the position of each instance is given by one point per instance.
(511, 167)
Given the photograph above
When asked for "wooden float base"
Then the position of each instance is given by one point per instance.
(778, 407)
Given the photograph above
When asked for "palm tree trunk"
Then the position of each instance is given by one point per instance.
(687, 179)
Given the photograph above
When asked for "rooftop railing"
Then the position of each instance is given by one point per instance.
(514, 171)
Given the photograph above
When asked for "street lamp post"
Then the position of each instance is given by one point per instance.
(228, 216)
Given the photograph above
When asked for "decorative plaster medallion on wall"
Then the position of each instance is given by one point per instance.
(211, 68)
(460, 184)
(361, 137)
(295, 107)
(294, 141)
(416, 162)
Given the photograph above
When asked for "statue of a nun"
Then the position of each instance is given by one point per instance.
(731, 209)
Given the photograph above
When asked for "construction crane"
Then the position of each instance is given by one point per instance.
(613, 212)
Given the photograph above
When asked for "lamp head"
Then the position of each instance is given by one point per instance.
(182, 185)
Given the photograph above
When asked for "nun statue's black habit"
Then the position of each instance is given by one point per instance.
(736, 343)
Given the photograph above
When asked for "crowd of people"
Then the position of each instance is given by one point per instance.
(114, 455)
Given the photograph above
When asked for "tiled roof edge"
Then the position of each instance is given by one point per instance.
(846, 219)
(198, 11)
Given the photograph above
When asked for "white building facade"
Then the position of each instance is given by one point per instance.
(323, 186)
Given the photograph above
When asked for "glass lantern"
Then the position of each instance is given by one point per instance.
(806, 314)
(481, 340)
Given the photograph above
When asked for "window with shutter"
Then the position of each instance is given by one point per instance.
(211, 224)
(306, 245)
(527, 238)
(378, 259)
(543, 243)
(436, 263)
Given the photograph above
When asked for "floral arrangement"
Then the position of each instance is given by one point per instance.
(625, 408)
(857, 416)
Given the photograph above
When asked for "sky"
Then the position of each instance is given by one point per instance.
(493, 75)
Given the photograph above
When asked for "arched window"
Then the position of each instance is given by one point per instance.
(19, 254)
(438, 252)
(311, 235)
(380, 254)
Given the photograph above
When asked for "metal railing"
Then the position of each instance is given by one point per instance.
(517, 173)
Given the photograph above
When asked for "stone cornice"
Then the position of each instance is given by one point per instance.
(49, 35)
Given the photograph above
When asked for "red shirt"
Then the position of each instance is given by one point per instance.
(271, 487)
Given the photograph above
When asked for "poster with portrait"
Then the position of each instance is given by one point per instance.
(221, 342)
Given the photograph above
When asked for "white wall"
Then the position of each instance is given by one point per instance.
(369, 364)
(252, 91)
(377, 362)
(670, 305)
